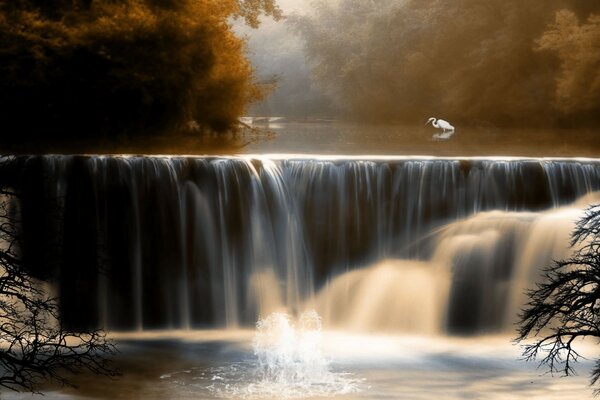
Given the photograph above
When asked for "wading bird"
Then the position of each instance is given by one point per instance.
(440, 124)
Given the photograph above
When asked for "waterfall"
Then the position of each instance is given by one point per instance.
(136, 242)
(475, 280)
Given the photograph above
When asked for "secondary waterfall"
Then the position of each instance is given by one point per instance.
(402, 244)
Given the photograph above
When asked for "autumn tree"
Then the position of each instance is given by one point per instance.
(565, 306)
(88, 68)
(478, 63)
(575, 44)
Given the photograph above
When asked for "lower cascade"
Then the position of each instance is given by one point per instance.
(396, 244)
(474, 280)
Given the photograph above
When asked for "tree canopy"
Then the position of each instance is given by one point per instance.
(87, 68)
(576, 44)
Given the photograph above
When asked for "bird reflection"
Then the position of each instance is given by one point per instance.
(443, 135)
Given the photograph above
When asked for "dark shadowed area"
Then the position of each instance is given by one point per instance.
(93, 71)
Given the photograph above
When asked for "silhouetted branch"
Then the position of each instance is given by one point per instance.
(34, 346)
(566, 305)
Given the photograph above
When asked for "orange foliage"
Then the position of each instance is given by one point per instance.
(84, 68)
(576, 45)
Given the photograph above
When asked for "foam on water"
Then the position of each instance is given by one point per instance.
(289, 364)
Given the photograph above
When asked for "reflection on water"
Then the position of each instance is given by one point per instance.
(314, 135)
(192, 364)
(443, 135)
(317, 136)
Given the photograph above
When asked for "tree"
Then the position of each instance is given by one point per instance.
(78, 69)
(566, 305)
(478, 62)
(34, 346)
(576, 45)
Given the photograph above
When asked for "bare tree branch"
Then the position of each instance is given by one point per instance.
(34, 346)
(565, 306)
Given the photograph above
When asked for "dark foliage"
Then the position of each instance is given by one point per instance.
(75, 69)
(566, 306)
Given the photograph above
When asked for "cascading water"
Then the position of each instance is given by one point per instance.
(474, 281)
(183, 242)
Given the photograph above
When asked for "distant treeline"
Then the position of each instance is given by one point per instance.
(493, 62)
(76, 69)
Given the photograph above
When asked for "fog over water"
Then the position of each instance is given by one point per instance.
(277, 53)
(498, 63)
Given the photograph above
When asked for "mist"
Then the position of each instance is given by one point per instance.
(495, 63)
(277, 53)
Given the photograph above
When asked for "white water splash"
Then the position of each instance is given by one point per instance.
(288, 353)
(289, 364)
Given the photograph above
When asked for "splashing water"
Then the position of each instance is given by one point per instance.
(289, 354)
(289, 364)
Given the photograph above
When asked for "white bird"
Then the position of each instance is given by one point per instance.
(440, 124)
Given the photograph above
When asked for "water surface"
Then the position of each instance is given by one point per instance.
(218, 364)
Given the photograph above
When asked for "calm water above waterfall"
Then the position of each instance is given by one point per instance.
(426, 247)
(309, 136)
